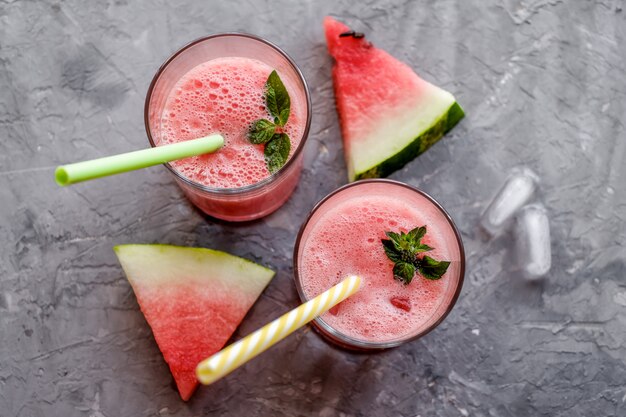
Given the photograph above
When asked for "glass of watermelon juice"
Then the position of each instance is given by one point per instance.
(342, 236)
(217, 85)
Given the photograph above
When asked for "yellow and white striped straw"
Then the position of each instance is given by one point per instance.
(227, 360)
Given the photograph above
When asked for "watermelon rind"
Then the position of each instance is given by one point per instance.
(415, 148)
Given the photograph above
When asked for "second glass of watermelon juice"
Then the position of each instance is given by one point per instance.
(342, 237)
(217, 85)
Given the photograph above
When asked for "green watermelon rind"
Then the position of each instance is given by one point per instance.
(417, 147)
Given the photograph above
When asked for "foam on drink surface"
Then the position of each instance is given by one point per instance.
(347, 240)
(224, 96)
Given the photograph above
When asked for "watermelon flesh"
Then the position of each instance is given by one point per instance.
(388, 114)
(193, 299)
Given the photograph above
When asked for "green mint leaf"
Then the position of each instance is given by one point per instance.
(422, 248)
(432, 269)
(404, 272)
(390, 250)
(393, 236)
(417, 234)
(261, 131)
(277, 152)
(414, 237)
(277, 99)
(402, 249)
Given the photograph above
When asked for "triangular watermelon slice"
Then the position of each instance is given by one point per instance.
(388, 114)
(192, 298)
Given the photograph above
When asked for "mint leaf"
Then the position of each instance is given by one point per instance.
(390, 250)
(417, 234)
(404, 272)
(261, 131)
(422, 248)
(277, 152)
(395, 238)
(277, 99)
(432, 269)
(417, 247)
(405, 242)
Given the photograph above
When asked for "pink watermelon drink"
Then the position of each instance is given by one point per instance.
(344, 235)
(219, 84)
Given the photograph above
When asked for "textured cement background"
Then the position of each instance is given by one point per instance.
(543, 84)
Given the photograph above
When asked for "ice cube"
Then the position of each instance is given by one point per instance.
(534, 256)
(516, 191)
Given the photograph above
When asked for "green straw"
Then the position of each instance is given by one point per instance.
(110, 165)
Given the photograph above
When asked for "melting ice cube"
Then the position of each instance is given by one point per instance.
(516, 191)
(534, 255)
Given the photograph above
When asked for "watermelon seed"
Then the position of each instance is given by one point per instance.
(355, 35)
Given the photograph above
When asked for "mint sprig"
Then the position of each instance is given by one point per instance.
(277, 143)
(403, 249)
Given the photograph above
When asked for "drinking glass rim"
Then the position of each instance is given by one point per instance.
(351, 342)
(257, 185)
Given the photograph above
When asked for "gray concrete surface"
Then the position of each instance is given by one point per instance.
(543, 84)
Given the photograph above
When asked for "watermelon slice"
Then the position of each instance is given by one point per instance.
(388, 114)
(192, 298)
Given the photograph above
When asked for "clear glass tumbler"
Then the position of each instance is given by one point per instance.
(248, 202)
(382, 189)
